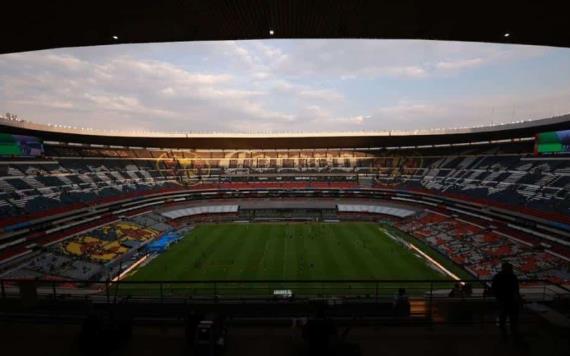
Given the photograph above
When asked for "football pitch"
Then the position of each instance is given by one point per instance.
(287, 251)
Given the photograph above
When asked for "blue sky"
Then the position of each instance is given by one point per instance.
(287, 85)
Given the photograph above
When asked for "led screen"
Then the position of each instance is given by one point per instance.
(18, 145)
(553, 142)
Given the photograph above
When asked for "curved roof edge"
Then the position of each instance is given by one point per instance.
(60, 133)
(55, 24)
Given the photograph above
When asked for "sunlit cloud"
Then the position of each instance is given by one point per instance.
(286, 85)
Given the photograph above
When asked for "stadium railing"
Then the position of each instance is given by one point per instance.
(429, 300)
(531, 290)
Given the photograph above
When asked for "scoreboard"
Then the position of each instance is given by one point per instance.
(553, 142)
(18, 145)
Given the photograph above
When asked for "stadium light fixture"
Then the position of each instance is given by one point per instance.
(115, 37)
(271, 32)
(507, 34)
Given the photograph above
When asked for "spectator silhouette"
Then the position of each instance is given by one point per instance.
(401, 303)
(467, 289)
(318, 333)
(505, 287)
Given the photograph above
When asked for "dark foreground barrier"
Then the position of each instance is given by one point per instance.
(420, 300)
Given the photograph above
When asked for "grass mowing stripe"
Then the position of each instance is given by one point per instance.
(300, 258)
(234, 249)
(327, 254)
(274, 260)
(290, 253)
(314, 264)
(157, 269)
(203, 262)
(221, 263)
(254, 248)
(179, 262)
(358, 267)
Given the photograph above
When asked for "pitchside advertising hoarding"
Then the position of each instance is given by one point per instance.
(553, 142)
(19, 145)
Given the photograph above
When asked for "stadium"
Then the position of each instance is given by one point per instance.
(267, 208)
(129, 241)
(81, 211)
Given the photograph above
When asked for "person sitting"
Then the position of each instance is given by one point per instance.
(401, 303)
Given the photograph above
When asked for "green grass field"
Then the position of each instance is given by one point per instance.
(280, 251)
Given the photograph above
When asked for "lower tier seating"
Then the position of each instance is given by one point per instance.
(481, 250)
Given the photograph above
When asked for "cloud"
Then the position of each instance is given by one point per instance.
(358, 120)
(321, 94)
(411, 59)
(309, 85)
(460, 64)
(128, 86)
(311, 94)
(376, 72)
(474, 111)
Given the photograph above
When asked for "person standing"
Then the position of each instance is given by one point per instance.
(505, 287)
(401, 303)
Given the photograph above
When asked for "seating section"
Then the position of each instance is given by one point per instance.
(374, 209)
(41, 185)
(496, 172)
(530, 182)
(108, 243)
(87, 256)
(153, 221)
(55, 266)
(77, 177)
(197, 210)
(481, 250)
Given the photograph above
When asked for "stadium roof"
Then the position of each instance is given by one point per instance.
(64, 23)
(59, 133)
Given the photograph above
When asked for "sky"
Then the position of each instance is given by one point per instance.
(286, 85)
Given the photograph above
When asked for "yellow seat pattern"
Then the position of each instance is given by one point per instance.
(98, 250)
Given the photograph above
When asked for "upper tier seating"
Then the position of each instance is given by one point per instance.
(38, 185)
(500, 173)
(536, 183)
